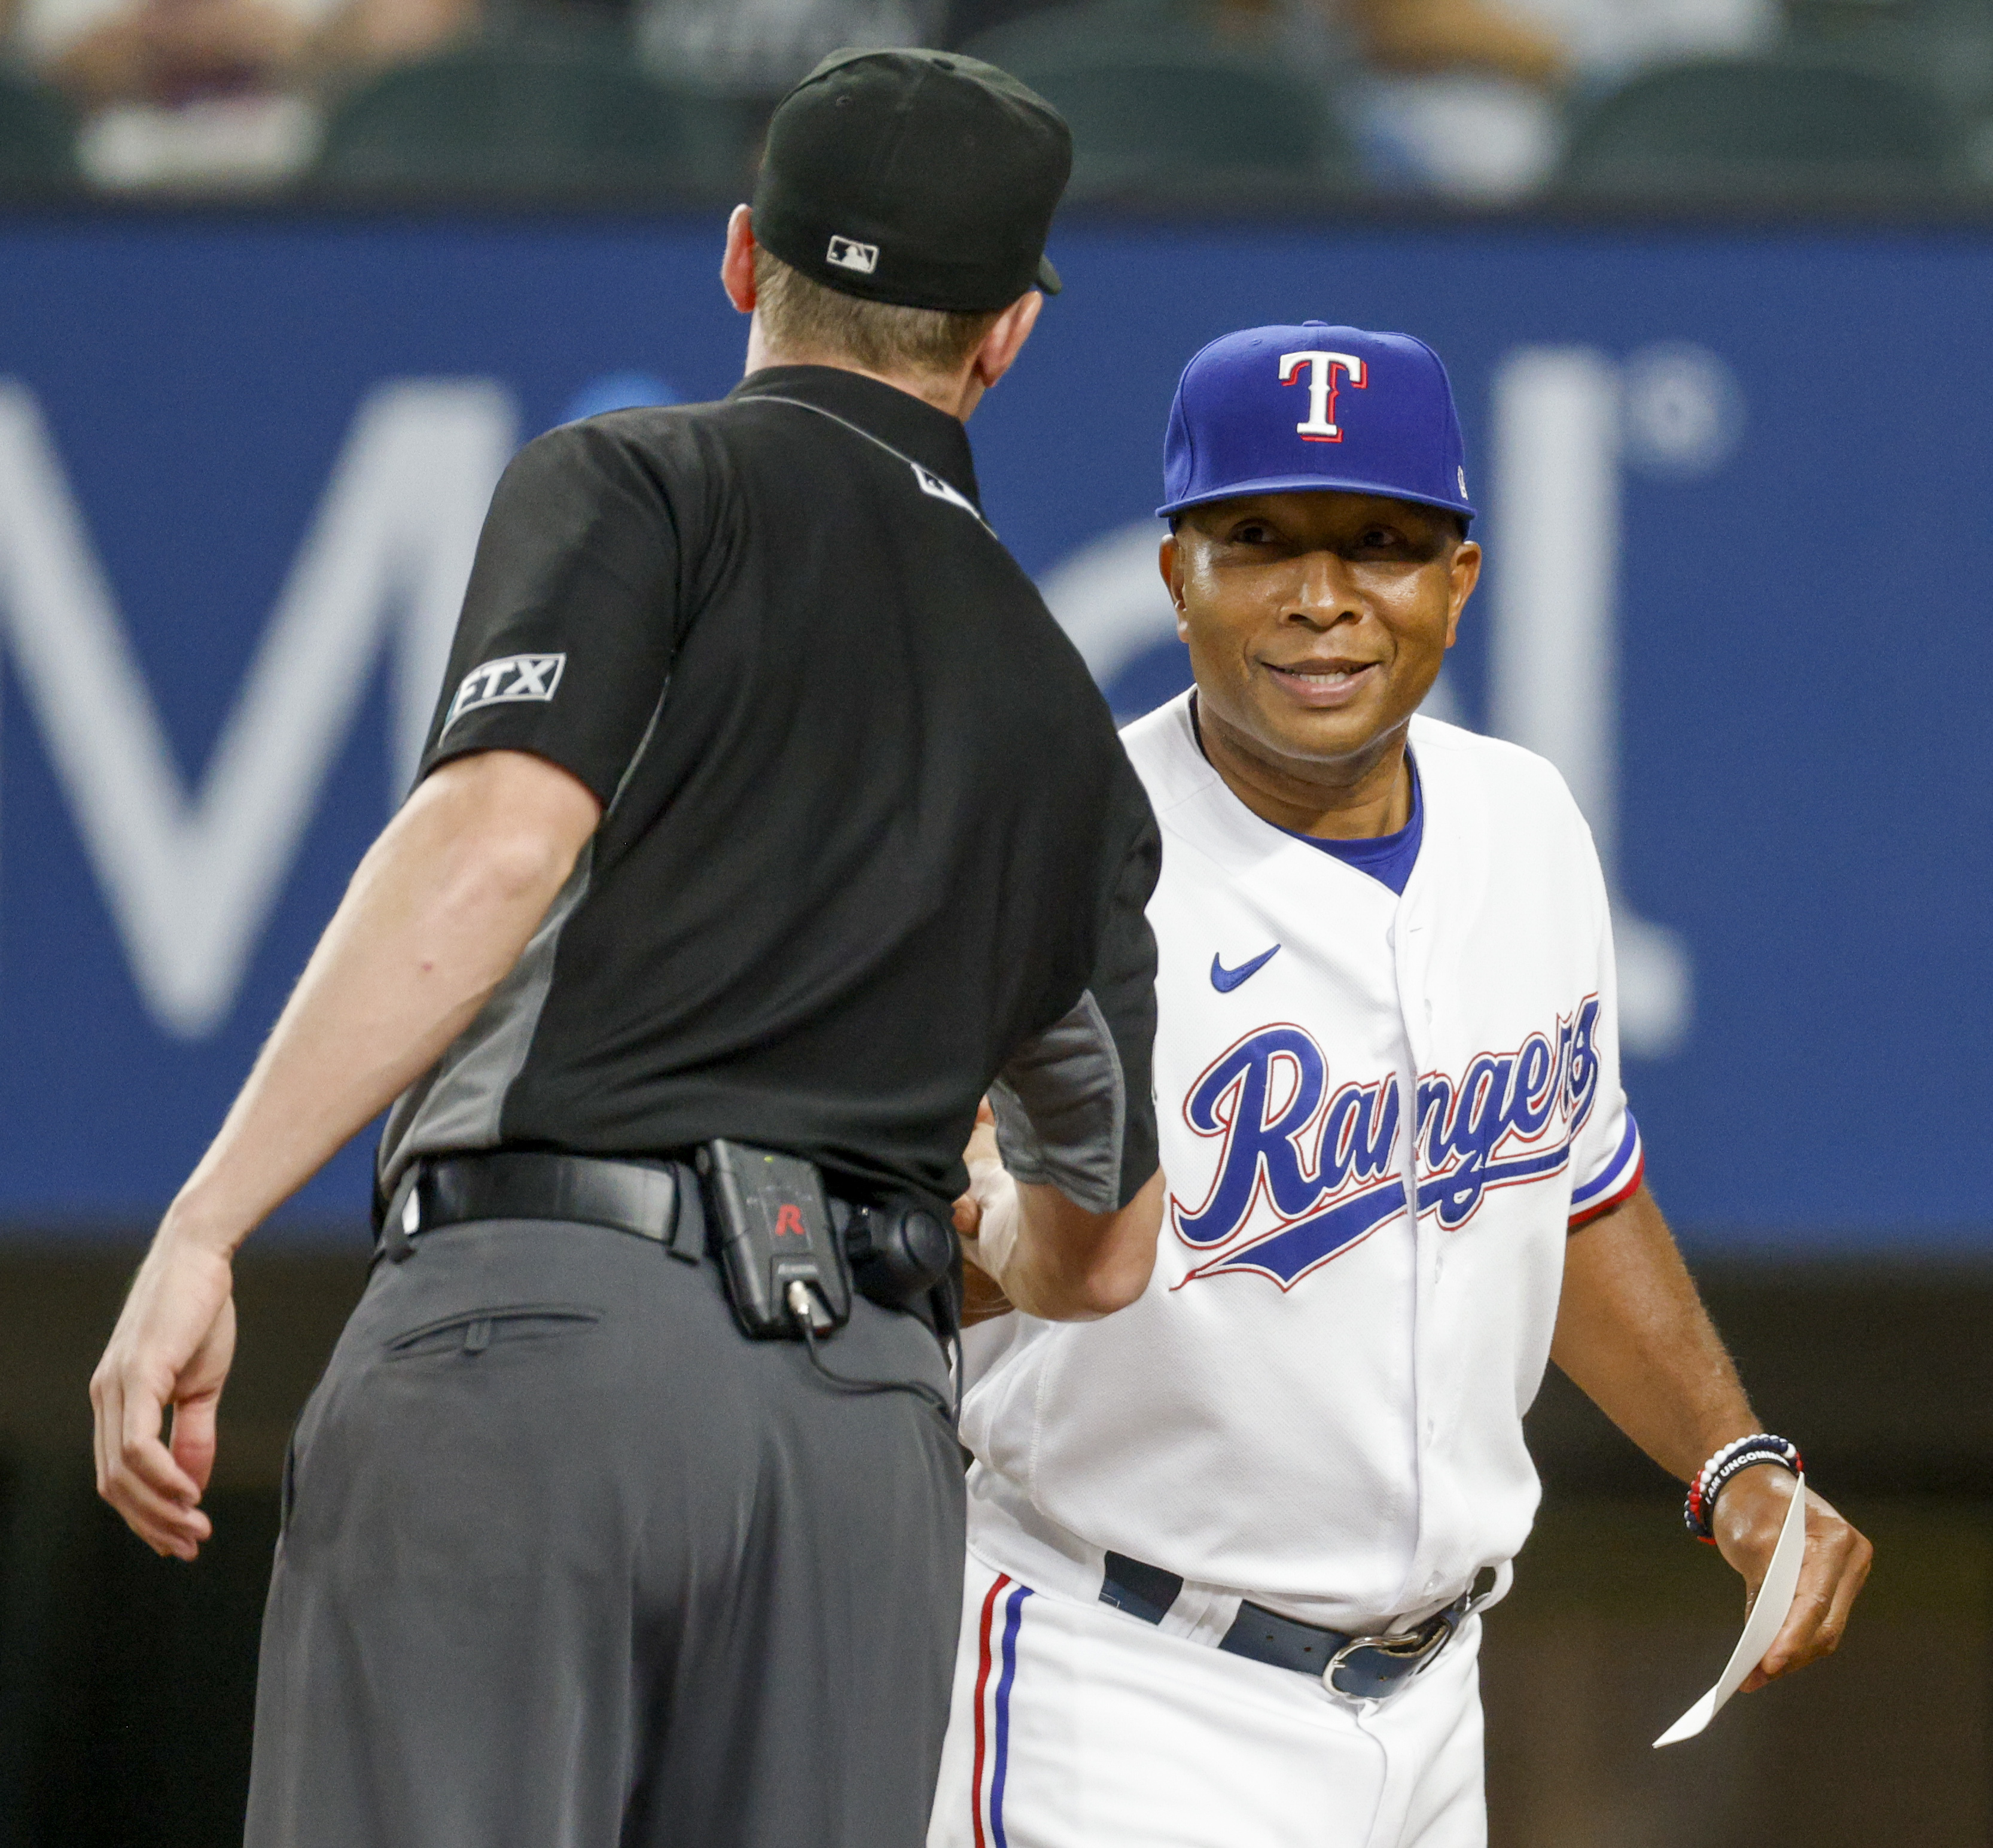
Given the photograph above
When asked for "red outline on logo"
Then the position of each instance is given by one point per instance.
(1310, 1133)
(1360, 380)
(1562, 1051)
(1222, 1266)
(1226, 1126)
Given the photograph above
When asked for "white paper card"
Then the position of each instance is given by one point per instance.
(1775, 1600)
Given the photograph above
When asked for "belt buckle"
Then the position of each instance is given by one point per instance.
(1415, 1647)
(1406, 1655)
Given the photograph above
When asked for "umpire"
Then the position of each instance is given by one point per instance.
(767, 821)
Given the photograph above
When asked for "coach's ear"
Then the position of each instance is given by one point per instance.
(1463, 573)
(1171, 559)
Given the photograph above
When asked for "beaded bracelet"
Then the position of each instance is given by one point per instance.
(1744, 1453)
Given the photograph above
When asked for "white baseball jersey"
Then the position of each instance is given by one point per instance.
(1380, 1116)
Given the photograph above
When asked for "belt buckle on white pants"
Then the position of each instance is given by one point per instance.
(1417, 1648)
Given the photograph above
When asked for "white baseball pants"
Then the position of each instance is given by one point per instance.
(1075, 1726)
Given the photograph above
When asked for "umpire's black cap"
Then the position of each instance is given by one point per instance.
(919, 177)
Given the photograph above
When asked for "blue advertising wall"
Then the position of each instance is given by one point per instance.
(1740, 566)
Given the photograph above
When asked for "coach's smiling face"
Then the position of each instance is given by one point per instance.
(1316, 622)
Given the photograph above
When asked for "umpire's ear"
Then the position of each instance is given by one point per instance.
(999, 347)
(736, 266)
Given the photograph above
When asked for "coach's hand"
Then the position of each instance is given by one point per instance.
(1749, 1514)
(983, 1297)
(171, 1348)
(1041, 1252)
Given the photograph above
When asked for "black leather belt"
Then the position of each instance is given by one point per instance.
(1360, 1667)
(654, 1200)
(659, 1199)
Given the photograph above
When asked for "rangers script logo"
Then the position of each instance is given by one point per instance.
(1323, 1161)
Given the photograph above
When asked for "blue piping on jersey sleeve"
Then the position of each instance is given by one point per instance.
(1387, 858)
(1625, 1164)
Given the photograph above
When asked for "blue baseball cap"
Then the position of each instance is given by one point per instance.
(1283, 410)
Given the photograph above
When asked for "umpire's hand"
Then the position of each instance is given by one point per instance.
(1747, 1517)
(171, 1347)
(434, 919)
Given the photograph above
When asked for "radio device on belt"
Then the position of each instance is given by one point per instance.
(771, 1232)
(791, 1256)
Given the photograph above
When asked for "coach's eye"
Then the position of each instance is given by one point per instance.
(1252, 533)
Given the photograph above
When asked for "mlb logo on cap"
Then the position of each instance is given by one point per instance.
(1284, 410)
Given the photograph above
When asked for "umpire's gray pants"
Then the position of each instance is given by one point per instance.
(567, 1562)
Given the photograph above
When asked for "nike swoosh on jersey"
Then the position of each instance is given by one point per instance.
(1224, 980)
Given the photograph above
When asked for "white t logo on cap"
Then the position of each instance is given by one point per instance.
(848, 253)
(1319, 426)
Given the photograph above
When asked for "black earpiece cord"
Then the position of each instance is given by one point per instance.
(798, 1301)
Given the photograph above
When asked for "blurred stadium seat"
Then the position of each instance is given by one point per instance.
(529, 115)
(37, 135)
(1754, 126)
(1156, 105)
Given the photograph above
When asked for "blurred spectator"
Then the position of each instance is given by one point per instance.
(1468, 97)
(178, 90)
(1487, 121)
(752, 49)
(1425, 36)
(1483, 125)
(760, 47)
(111, 51)
(1393, 35)
(364, 34)
(1462, 97)
(1608, 40)
(1455, 95)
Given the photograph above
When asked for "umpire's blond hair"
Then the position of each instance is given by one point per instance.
(799, 315)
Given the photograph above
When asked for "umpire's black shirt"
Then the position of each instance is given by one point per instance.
(870, 842)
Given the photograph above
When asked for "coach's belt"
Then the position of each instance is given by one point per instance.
(657, 1200)
(1358, 1667)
